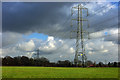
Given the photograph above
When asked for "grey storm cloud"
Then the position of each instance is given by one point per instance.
(36, 17)
(52, 18)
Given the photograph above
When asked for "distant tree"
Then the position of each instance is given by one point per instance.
(118, 64)
(65, 63)
(31, 62)
(94, 63)
(60, 63)
(88, 63)
(25, 61)
(112, 64)
(45, 61)
(115, 64)
(109, 64)
(8, 61)
(17, 61)
(101, 64)
(42, 61)
(52, 65)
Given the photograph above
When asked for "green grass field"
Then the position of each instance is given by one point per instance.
(58, 72)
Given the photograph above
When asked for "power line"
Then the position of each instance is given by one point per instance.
(99, 10)
(103, 7)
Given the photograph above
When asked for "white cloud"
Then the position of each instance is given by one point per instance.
(72, 50)
(10, 38)
(61, 49)
(52, 48)
(27, 46)
(104, 51)
(50, 38)
(108, 34)
(48, 45)
(98, 50)
(18, 49)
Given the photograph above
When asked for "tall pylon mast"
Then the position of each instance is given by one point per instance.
(79, 34)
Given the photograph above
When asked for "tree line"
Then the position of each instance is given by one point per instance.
(25, 61)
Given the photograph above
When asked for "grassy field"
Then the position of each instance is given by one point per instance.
(58, 72)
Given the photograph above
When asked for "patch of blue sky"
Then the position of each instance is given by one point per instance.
(36, 36)
(106, 33)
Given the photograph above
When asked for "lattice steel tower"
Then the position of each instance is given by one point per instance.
(79, 32)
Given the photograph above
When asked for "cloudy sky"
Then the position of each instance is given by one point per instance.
(27, 26)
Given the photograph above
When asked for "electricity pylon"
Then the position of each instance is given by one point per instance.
(37, 53)
(79, 33)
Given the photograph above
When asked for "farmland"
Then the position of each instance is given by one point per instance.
(58, 72)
